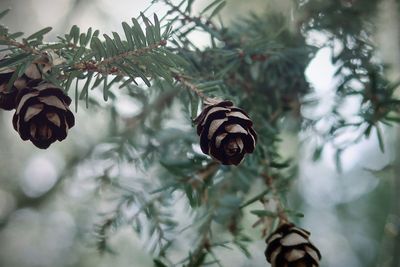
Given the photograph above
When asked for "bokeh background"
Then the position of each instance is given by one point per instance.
(48, 210)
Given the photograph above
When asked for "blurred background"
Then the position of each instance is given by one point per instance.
(46, 221)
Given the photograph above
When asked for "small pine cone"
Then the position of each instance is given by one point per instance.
(289, 246)
(31, 77)
(225, 132)
(42, 115)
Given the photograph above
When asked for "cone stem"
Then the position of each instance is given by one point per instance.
(191, 87)
(283, 218)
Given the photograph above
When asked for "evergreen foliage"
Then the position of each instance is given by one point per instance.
(258, 63)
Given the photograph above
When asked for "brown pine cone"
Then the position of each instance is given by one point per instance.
(42, 115)
(289, 246)
(225, 132)
(31, 77)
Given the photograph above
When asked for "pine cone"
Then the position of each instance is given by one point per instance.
(225, 132)
(289, 246)
(31, 77)
(42, 115)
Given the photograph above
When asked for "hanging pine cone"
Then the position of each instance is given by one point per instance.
(42, 115)
(31, 77)
(289, 246)
(225, 132)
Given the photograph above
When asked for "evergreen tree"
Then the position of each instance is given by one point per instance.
(210, 121)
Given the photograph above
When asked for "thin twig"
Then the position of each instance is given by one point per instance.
(195, 19)
(204, 243)
(134, 53)
(102, 66)
(22, 46)
(192, 87)
(280, 210)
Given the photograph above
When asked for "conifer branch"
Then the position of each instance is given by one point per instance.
(192, 87)
(198, 20)
(134, 53)
(103, 66)
(19, 45)
(204, 244)
(277, 205)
